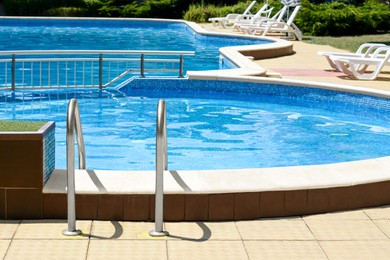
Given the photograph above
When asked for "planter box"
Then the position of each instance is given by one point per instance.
(26, 161)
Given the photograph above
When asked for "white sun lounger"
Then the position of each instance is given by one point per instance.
(351, 65)
(263, 13)
(230, 18)
(267, 27)
(249, 28)
(364, 50)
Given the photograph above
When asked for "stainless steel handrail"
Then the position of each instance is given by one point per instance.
(65, 52)
(161, 166)
(73, 123)
(87, 64)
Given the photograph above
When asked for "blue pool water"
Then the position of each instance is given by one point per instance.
(211, 124)
(33, 34)
(245, 126)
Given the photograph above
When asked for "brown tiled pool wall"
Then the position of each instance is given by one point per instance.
(220, 207)
(26, 159)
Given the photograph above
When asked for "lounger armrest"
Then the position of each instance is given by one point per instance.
(367, 48)
(356, 60)
(232, 16)
(345, 54)
(274, 24)
(244, 17)
(258, 24)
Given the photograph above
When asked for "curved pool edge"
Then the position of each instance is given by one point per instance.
(242, 56)
(220, 195)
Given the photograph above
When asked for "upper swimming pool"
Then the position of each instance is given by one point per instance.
(117, 34)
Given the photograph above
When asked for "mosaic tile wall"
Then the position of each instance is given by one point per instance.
(249, 91)
(48, 154)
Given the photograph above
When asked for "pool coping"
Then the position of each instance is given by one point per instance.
(226, 181)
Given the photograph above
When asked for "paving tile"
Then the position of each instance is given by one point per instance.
(127, 249)
(4, 244)
(378, 213)
(47, 249)
(121, 230)
(8, 228)
(325, 229)
(384, 225)
(196, 231)
(50, 229)
(356, 249)
(342, 215)
(284, 250)
(225, 250)
(274, 229)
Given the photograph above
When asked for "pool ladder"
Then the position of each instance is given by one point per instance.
(161, 166)
(73, 124)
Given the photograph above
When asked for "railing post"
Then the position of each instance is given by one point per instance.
(100, 71)
(142, 65)
(181, 66)
(161, 165)
(13, 72)
(73, 123)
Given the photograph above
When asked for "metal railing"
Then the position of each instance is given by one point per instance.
(73, 124)
(161, 166)
(84, 68)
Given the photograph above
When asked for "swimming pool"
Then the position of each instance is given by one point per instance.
(234, 125)
(117, 34)
(211, 124)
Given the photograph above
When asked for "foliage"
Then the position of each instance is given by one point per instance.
(339, 18)
(66, 11)
(151, 9)
(200, 13)
(37, 7)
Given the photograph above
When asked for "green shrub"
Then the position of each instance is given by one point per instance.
(108, 9)
(151, 9)
(37, 7)
(339, 18)
(67, 11)
(201, 13)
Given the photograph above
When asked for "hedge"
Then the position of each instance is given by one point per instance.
(324, 18)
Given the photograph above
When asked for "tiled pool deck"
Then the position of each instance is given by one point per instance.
(360, 234)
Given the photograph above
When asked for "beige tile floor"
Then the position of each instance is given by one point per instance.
(306, 64)
(359, 234)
